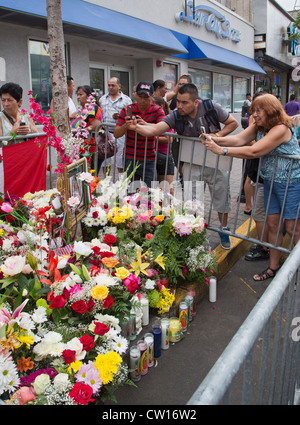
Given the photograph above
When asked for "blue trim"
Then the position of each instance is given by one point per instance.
(199, 49)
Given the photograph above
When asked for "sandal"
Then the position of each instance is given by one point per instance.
(265, 274)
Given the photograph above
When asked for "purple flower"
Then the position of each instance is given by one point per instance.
(25, 381)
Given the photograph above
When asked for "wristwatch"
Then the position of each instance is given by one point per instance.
(225, 150)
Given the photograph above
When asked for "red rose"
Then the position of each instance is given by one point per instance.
(96, 250)
(81, 393)
(100, 328)
(109, 239)
(92, 149)
(95, 215)
(80, 307)
(90, 305)
(88, 342)
(108, 302)
(57, 302)
(104, 254)
(132, 283)
(94, 270)
(69, 356)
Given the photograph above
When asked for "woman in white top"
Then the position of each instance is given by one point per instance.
(11, 119)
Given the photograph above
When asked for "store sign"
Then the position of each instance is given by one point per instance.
(210, 19)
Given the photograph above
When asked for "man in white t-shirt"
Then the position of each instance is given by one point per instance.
(72, 107)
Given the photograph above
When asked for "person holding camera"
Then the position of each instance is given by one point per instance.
(140, 150)
(11, 118)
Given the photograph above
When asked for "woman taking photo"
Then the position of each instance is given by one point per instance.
(270, 133)
(11, 119)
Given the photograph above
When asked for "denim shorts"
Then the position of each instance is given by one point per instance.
(277, 197)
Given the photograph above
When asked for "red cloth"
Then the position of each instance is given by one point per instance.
(24, 167)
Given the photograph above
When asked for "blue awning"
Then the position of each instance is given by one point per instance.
(87, 19)
(215, 55)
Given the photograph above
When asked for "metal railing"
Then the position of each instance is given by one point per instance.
(192, 155)
(261, 363)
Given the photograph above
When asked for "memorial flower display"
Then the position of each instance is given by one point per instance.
(63, 303)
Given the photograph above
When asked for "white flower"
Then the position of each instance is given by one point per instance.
(57, 349)
(62, 262)
(119, 344)
(75, 345)
(150, 284)
(52, 337)
(13, 265)
(61, 382)
(39, 315)
(86, 177)
(111, 334)
(82, 248)
(40, 383)
(7, 244)
(73, 201)
(105, 280)
(8, 375)
(26, 323)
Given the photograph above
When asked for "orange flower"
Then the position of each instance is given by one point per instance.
(110, 262)
(24, 364)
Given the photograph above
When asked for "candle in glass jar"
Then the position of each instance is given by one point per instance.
(165, 332)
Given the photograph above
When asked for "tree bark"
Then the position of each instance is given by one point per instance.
(58, 68)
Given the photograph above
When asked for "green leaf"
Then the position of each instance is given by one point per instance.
(32, 261)
(75, 269)
(85, 272)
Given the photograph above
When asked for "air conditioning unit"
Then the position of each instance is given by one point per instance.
(285, 36)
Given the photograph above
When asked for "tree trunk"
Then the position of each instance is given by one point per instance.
(58, 67)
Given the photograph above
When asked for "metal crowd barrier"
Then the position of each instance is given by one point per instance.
(192, 154)
(260, 366)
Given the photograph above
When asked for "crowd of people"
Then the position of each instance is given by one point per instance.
(139, 126)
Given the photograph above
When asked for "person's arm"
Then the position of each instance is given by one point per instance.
(243, 138)
(173, 93)
(229, 126)
(149, 130)
(277, 135)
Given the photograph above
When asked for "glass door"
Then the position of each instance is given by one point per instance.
(100, 74)
(97, 79)
(124, 76)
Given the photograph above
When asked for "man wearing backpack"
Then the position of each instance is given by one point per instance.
(191, 116)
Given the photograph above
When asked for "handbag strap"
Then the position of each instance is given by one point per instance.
(9, 118)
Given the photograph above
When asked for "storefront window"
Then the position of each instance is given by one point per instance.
(202, 79)
(168, 73)
(240, 89)
(97, 80)
(222, 89)
(40, 72)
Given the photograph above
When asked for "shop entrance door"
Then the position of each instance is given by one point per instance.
(100, 74)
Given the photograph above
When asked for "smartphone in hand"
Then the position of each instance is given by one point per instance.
(129, 112)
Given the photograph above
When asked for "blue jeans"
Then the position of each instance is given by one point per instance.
(146, 176)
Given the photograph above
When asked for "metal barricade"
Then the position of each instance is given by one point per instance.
(261, 363)
(192, 166)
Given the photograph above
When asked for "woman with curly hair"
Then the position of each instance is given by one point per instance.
(270, 134)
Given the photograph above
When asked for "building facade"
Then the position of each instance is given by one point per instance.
(134, 40)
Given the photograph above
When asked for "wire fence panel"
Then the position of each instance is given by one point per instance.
(261, 363)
